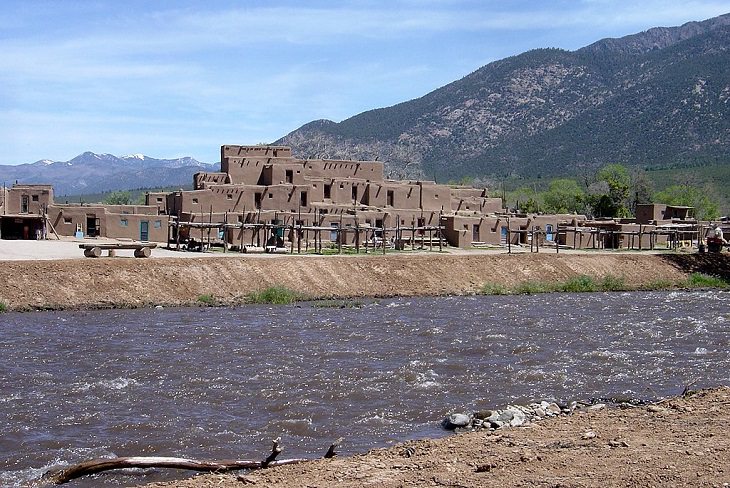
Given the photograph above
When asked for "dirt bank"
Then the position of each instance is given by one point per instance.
(682, 442)
(125, 282)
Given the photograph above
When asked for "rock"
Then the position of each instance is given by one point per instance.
(482, 414)
(656, 409)
(456, 420)
(551, 409)
(588, 435)
(159, 307)
(518, 416)
(597, 406)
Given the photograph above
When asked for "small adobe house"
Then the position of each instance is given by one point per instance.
(29, 212)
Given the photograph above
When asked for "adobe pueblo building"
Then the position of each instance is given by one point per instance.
(265, 199)
(264, 196)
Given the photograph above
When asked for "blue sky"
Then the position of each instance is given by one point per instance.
(181, 78)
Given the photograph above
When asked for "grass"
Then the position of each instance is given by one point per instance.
(613, 283)
(494, 289)
(532, 288)
(274, 295)
(579, 284)
(586, 284)
(207, 299)
(700, 280)
(3, 307)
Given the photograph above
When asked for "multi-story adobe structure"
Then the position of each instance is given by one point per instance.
(267, 185)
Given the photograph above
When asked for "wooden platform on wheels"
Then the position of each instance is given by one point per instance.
(141, 249)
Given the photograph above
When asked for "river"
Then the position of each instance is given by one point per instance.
(217, 383)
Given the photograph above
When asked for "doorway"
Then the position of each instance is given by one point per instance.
(144, 230)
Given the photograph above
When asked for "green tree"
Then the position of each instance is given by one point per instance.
(118, 198)
(564, 196)
(642, 189)
(690, 196)
(609, 195)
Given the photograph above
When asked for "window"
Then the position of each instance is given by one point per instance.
(159, 199)
(124, 222)
(68, 220)
(34, 198)
(195, 200)
(229, 196)
(158, 224)
(271, 195)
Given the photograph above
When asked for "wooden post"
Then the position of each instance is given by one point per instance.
(509, 238)
(413, 235)
(340, 236)
(225, 232)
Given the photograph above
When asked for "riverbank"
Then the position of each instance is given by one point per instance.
(129, 282)
(679, 442)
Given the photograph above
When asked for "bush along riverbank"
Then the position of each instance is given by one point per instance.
(586, 284)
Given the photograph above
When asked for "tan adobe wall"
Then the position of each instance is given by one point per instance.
(435, 197)
(366, 170)
(646, 213)
(468, 192)
(230, 151)
(130, 226)
(249, 171)
(283, 173)
(158, 200)
(30, 199)
(202, 180)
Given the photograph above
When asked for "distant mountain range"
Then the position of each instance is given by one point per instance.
(96, 173)
(660, 98)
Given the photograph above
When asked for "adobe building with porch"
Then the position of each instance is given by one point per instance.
(29, 212)
(266, 186)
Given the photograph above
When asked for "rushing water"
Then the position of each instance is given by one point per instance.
(216, 383)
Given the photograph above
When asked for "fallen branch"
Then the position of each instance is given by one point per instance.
(93, 466)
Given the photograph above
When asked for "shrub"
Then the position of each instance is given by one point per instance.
(531, 288)
(206, 299)
(700, 280)
(660, 284)
(613, 283)
(582, 283)
(3, 307)
(493, 289)
(275, 295)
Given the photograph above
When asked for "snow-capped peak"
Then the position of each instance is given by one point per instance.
(134, 156)
(47, 161)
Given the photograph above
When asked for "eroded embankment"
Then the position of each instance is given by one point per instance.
(126, 282)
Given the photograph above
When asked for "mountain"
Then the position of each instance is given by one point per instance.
(660, 98)
(95, 173)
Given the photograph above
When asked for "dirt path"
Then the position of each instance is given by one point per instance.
(129, 282)
(680, 443)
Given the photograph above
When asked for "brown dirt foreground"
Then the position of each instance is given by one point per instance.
(129, 282)
(680, 442)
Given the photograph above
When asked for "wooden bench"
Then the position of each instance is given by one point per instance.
(141, 249)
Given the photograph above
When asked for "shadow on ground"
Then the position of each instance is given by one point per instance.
(715, 264)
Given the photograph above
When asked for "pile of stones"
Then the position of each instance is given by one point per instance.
(513, 415)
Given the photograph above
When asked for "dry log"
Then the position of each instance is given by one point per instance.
(98, 465)
(93, 466)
